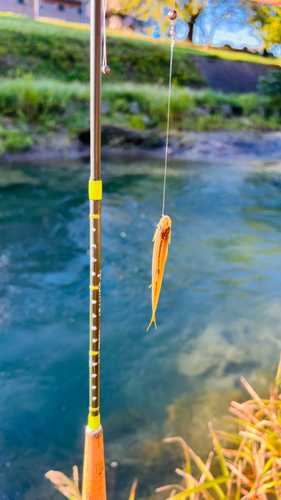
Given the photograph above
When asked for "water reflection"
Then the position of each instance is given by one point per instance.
(218, 315)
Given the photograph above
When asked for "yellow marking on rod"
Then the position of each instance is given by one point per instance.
(95, 190)
(94, 409)
(94, 353)
(94, 216)
(93, 287)
(94, 422)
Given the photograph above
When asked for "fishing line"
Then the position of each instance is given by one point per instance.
(105, 68)
(162, 236)
(172, 16)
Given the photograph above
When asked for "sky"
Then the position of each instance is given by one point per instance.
(238, 39)
(233, 31)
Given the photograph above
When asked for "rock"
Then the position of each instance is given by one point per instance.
(113, 136)
(120, 137)
(134, 108)
(223, 109)
(223, 352)
(8, 123)
(226, 110)
(119, 116)
(201, 111)
(246, 121)
(105, 108)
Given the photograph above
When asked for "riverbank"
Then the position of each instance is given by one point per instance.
(53, 117)
(218, 146)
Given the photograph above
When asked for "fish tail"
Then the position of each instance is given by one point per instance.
(152, 319)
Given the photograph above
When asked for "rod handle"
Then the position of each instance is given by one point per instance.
(94, 487)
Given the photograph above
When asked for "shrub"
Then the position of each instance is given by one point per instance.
(271, 86)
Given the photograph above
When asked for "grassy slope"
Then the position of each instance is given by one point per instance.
(81, 32)
(58, 51)
(63, 53)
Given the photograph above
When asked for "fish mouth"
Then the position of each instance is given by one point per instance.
(165, 222)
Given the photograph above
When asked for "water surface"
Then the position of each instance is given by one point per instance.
(218, 316)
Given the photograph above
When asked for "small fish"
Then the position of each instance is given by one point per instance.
(161, 240)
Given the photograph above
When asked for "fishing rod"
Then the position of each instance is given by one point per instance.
(94, 486)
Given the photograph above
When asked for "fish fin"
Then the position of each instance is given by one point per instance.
(152, 319)
(155, 234)
(153, 282)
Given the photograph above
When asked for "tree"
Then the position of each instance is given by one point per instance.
(267, 22)
(189, 10)
(206, 15)
(231, 13)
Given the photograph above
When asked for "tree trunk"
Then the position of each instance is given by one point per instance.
(191, 24)
(190, 31)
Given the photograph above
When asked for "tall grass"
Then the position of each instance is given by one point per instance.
(42, 107)
(70, 487)
(249, 459)
(39, 101)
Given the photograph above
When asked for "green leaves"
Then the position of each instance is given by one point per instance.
(270, 85)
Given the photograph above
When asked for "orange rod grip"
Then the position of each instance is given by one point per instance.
(94, 487)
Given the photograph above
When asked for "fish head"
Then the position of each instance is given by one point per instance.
(165, 223)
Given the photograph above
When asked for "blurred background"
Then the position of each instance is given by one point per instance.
(219, 311)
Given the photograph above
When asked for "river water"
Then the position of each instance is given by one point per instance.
(218, 316)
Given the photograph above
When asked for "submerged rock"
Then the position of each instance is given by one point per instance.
(15, 177)
(223, 352)
(189, 415)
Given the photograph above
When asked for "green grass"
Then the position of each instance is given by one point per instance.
(33, 108)
(190, 110)
(25, 25)
(63, 53)
(30, 99)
